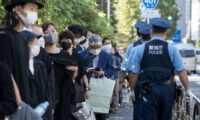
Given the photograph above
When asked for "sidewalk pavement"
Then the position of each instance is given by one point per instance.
(124, 113)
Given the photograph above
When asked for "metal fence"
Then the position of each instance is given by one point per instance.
(185, 110)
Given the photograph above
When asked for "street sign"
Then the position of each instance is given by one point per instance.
(150, 13)
(150, 4)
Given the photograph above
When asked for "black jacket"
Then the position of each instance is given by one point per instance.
(8, 104)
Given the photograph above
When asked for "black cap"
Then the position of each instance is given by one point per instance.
(19, 2)
(30, 36)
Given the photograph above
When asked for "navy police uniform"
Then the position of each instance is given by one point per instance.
(155, 61)
(136, 43)
(146, 30)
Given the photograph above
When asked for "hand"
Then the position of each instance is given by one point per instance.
(115, 66)
(188, 95)
(90, 70)
(52, 111)
(99, 73)
(87, 94)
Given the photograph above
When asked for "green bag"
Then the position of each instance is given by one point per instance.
(100, 94)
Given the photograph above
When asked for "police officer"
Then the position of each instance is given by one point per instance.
(136, 43)
(145, 34)
(155, 61)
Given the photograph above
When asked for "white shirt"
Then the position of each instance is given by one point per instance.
(95, 61)
(31, 66)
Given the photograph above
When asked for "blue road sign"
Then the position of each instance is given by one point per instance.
(150, 4)
(177, 37)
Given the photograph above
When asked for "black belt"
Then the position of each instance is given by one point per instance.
(164, 83)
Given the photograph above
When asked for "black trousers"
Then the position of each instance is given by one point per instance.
(100, 116)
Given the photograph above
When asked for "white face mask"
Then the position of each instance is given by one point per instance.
(35, 50)
(31, 17)
(107, 48)
(78, 40)
(95, 51)
(41, 42)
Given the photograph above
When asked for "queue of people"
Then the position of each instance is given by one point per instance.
(48, 67)
(45, 73)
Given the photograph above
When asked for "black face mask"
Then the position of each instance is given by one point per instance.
(82, 42)
(65, 45)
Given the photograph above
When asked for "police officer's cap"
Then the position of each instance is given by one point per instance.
(29, 36)
(160, 22)
(145, 30)
(14, 3)
(140, 24)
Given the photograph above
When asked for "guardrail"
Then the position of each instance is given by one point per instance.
(182, 109)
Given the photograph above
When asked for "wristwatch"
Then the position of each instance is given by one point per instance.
(87, 89)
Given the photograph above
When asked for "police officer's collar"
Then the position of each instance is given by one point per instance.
(157, 38)
(139, 39)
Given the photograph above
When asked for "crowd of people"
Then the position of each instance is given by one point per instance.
(39, 63)
(45, 74)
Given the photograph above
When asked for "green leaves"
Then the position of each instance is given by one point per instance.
(84, 12)
(65, 12)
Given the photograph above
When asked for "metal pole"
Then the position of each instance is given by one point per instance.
(190, 20)
(108, 10)
(102, 5)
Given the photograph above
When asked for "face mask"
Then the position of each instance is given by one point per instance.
(41, 42)
(95, 51)
(35, 50)
(31, 17)
(76, 41)
(79, 40)
(107, 48)
(51, 38)
(65, 45)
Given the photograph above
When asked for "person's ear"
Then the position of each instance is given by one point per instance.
(151, 32)
(165, 34)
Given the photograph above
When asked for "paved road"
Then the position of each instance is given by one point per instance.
(126, 112)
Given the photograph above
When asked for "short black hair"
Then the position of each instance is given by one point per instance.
(76, 29)
(66, 35)
(105, 40)
(145, 37)
(156, 29)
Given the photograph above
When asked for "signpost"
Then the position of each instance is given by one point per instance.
(149, 11)
(150, 4)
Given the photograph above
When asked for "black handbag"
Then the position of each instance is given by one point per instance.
(79, 93)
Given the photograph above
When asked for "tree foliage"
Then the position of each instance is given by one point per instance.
(169, 8)
(66, 12)
(128, 13)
